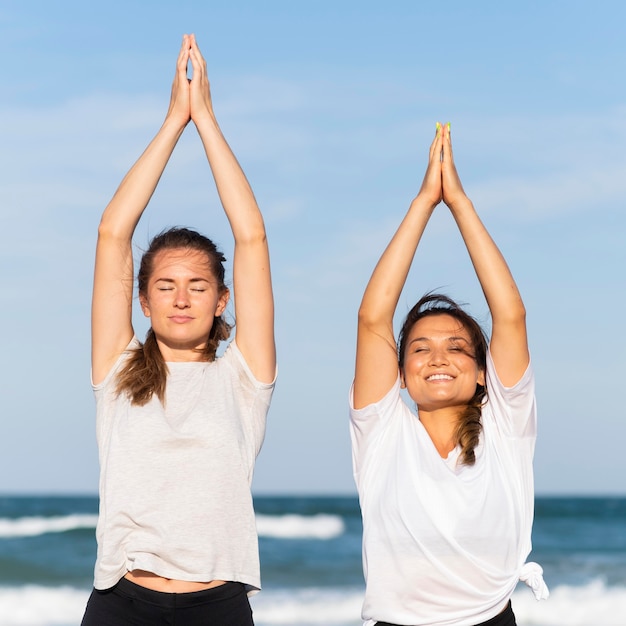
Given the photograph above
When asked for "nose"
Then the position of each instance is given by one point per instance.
(438, 357)
(181, 300)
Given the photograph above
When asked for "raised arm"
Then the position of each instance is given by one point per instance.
(509, 347)
(111, 312)
(376, 357)
(254, 303)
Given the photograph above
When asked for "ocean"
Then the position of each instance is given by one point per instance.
(311, 561)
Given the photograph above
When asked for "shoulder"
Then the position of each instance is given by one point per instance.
(234, 361)
(118, 365)
(511, 408)
(524, 386)
(383, 405)
(367, 422)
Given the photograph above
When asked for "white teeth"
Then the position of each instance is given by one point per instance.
(439, 377)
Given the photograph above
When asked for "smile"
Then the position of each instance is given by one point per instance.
(440, 377)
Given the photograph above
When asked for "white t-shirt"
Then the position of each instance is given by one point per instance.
(175, 480)
(444, 544)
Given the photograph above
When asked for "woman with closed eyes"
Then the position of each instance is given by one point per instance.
(178, 427)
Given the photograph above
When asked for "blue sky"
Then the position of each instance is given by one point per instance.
(330, 108)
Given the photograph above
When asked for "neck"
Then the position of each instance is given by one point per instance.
(180, 353)
(441, 426)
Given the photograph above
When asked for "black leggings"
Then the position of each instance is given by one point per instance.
(506, 618)
(128, 604)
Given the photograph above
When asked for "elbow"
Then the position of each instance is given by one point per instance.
(253, 237)
(105, 231)
(108, 230)
(510, 308)
(513, 314)
(370, 319)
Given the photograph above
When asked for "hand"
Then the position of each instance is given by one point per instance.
(179, 100)
(431, 189)
(453, 191)
(200, 89)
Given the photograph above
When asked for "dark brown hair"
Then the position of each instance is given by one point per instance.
(145, 371)
(469, 427)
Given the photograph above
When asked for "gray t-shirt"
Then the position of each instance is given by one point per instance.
(175, 480)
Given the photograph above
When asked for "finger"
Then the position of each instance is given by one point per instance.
(184, 48)
(447, 144)
(195, 46)
(197, 60)
(436, 145)
(183, 56)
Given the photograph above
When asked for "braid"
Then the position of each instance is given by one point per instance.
(470, 425)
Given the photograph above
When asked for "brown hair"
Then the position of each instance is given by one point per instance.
(145, 371)
(469, 427)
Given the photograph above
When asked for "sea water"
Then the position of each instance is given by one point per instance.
(311, 561)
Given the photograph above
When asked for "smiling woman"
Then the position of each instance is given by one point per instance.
(178, 428)
(443, 358)
(447, 495)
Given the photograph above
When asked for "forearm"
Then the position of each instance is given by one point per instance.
(494, 275)
(132, 196)
(233, 188)
(385, 286)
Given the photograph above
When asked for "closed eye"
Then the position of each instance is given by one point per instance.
(460, 350)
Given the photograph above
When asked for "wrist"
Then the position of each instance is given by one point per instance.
(174, 123)
(425, 202)
(459, 203)
(206, 122)
(203, 113)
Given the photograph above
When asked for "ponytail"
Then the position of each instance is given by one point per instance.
(144, 374)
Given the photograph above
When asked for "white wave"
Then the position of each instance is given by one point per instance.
(41, 606)
(308, 607)
(33, 526)
(319, 526)
(279, 526)
(592, 604)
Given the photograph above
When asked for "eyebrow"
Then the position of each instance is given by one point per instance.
(191, 280)
(453, 338)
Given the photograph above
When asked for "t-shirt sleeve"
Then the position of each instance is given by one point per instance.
(513, 409)
(255, 396)
(117, 366)
(368, 424)
(234, 356)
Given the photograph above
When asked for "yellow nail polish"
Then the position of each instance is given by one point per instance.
(448, 125)
(438, 127)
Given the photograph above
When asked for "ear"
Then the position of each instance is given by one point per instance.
(222, 302)
(481, 378)
(143, 301)
(402, 382)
